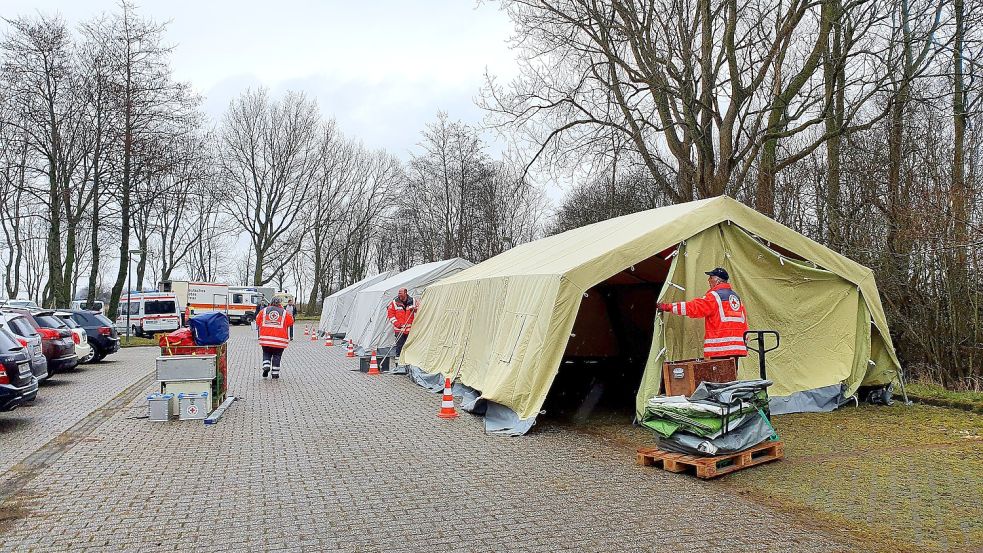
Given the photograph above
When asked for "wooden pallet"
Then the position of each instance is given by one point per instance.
(711, 467)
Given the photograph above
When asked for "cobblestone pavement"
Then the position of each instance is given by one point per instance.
(67, 397)
(331, 459)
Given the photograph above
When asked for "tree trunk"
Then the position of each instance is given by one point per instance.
(124, 208)
(834, 77)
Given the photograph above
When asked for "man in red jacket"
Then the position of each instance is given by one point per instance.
(722, 310)
(273, 323)
(401, 312)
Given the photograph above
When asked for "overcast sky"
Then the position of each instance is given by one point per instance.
(381, 68)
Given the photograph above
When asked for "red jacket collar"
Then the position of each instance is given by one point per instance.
(720, 286)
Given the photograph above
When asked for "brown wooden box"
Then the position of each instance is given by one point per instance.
(680, 378)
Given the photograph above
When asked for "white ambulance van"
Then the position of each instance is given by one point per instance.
(149, 313)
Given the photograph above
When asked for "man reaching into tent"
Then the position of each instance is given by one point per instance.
(400, 312)
(724, 317)
(272, 323)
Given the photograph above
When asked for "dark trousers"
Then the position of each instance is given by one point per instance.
(291, 330)
(400, 340)
(271, 358)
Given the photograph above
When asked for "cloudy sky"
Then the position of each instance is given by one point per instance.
(381, 68)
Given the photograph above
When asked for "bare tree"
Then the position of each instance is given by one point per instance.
(268, 159)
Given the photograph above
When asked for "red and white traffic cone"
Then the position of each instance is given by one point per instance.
(328, 341)
(307, 330)
(447, 410)
(351, 350)
(373, 364)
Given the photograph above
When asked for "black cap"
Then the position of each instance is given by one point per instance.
(720, 273)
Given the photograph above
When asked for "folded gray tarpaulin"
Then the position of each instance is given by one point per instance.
(733, 412)
(751, 432)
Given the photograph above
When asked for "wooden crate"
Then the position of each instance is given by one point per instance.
(712, 467)
(681, 378)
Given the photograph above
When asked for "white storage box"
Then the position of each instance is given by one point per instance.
(185, 367)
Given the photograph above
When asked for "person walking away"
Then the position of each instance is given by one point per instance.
(292, 310)
(725, 320)
(272, 323)
(401, 312)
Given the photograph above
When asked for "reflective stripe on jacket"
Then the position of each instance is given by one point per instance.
(273, 323)
(725, 320)
(400, 315)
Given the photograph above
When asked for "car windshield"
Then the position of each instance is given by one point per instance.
(67, 319)
(159, 307)
(22, 327)
(50, 321)
(7, 340)
(104, 320)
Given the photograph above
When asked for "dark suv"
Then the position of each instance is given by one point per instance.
(100, 330)
(17, 383)
(57, 343)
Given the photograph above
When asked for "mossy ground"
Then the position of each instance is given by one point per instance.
(972, 401)
(900, 478)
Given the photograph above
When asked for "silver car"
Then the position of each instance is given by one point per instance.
(24, 332)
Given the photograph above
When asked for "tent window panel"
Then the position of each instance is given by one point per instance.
(508, 341)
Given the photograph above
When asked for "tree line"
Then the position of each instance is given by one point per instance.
(106, 158)
(854, 122)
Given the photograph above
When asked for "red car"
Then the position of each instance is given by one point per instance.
(57, 342)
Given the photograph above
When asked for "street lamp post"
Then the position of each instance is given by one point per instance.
(129, 288)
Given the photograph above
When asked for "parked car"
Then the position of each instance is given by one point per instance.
(25, 334)
(20, 304)
(17, 382)
(100, 330)
(83, 349)
(56, 339)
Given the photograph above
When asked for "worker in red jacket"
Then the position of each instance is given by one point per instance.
(723, 313)
(273, 323)
(401, 312)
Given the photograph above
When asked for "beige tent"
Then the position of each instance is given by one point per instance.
(506, 325)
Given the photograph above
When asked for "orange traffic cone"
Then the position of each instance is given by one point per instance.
(447, 410)
(328, 341)
(351, 350)
(374, 364)
(313, 336)
(307, 330)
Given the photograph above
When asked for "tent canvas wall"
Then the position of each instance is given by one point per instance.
(370, 328)
(506, 325)
(336, 311)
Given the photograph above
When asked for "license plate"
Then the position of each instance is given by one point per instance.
(24, 369)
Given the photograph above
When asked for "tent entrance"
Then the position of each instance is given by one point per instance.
(605, 357)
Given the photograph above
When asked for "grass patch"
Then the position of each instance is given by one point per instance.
(900, 478)
(934, 394)
(135, 342)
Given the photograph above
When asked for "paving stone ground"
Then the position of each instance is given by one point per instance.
(65, 398)
(329, 459)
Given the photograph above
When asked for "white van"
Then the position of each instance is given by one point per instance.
(149, 313)
(81, 305)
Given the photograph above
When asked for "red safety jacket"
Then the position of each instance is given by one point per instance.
(401, 314)
(273, 323)
(724, 318)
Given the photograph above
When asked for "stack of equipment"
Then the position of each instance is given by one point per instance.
(716, 419)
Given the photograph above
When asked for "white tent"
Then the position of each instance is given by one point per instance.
(370, 328)
(337, 309)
